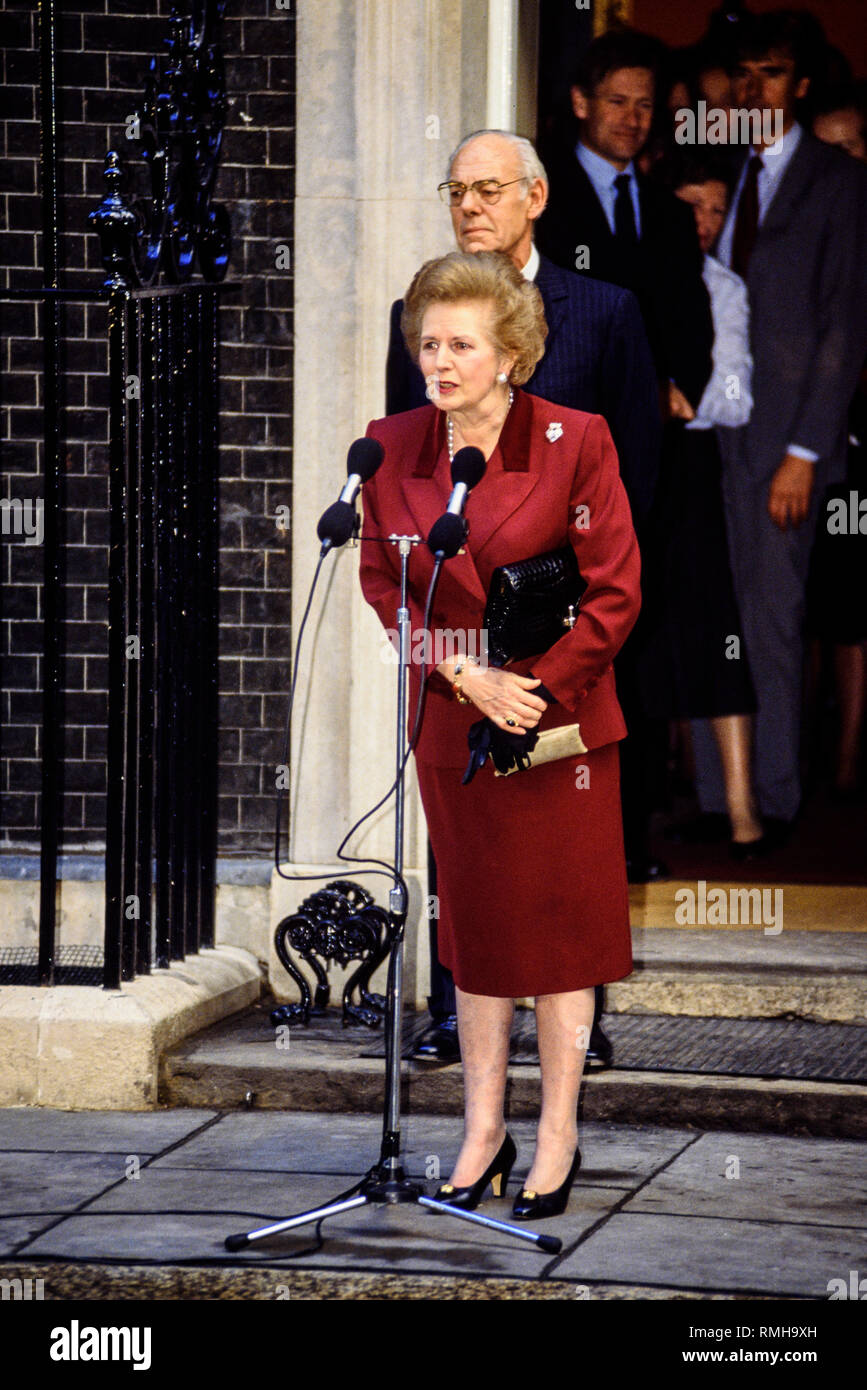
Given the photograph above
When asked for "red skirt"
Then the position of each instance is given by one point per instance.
(531, 875)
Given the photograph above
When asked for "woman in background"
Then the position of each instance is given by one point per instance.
(701, 654)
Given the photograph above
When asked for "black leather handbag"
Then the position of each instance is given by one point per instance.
(532, 604)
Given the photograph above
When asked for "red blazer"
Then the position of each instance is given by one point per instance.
(549, 463)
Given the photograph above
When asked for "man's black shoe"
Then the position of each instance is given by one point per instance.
(646, 870)
(600, 1049)
(439, 1043)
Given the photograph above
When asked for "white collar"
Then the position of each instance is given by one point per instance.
(531, 269)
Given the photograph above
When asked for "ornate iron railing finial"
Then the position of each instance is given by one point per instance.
(180, 130)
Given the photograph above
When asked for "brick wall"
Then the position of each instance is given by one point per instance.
(105, 49)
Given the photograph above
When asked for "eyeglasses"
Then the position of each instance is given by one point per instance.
(488, 190)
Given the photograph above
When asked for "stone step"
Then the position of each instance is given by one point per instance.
(243, 1061)
(736, 973)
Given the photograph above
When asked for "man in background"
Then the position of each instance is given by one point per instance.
(797, 233)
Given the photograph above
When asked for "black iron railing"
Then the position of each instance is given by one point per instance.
(163, 364)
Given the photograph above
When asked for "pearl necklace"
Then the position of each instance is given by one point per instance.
(450, 428)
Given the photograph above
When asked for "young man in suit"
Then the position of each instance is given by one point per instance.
(606, 219)
(596, 359)
(797, 233)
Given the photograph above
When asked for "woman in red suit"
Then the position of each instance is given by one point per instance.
(531, 869)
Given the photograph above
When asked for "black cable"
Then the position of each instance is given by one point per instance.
(416, 730)
(385, 870)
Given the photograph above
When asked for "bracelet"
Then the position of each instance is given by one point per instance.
(462, 699)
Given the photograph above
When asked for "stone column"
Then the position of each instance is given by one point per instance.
(386, 88)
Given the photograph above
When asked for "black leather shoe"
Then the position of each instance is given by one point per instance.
(535, 1206)
(496, 1173)
(743, 850)
(646, 870)
(439, 1043)
(600, 1048)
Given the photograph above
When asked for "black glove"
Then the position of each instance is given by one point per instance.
(507, 751)
(542, 691)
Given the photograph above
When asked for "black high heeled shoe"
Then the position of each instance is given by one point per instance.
(496, 1173)
(534, 1206)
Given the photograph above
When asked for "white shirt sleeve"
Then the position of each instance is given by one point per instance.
(727, 398)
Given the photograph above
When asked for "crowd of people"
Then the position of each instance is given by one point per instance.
(742, 127)
(666, 331)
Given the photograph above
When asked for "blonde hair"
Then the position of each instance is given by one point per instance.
(517, 328)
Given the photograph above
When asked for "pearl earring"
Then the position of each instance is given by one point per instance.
(501, 376)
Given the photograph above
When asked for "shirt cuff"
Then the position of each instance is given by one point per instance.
(801, 453)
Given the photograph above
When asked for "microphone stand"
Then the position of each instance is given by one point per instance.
(386, 1181)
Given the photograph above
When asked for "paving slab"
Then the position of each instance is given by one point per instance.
(747, 1257)
(774, 1178)
(38, 1182)
(17, 1230)
(347, 1144)
(128, 1131)
(405, 1238)
(652, 1209)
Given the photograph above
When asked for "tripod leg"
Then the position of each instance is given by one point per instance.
(552, 1245)
(238, 1242)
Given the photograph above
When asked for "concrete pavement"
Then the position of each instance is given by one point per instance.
(107, 1204)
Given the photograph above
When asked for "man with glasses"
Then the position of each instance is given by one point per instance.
(596, 359)
(596, 355)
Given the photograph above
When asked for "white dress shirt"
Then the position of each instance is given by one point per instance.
(727, 398)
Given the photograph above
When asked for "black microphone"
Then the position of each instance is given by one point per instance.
(337, 522)
(450, 531)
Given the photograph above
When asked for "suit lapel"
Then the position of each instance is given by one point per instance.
(792, 186)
